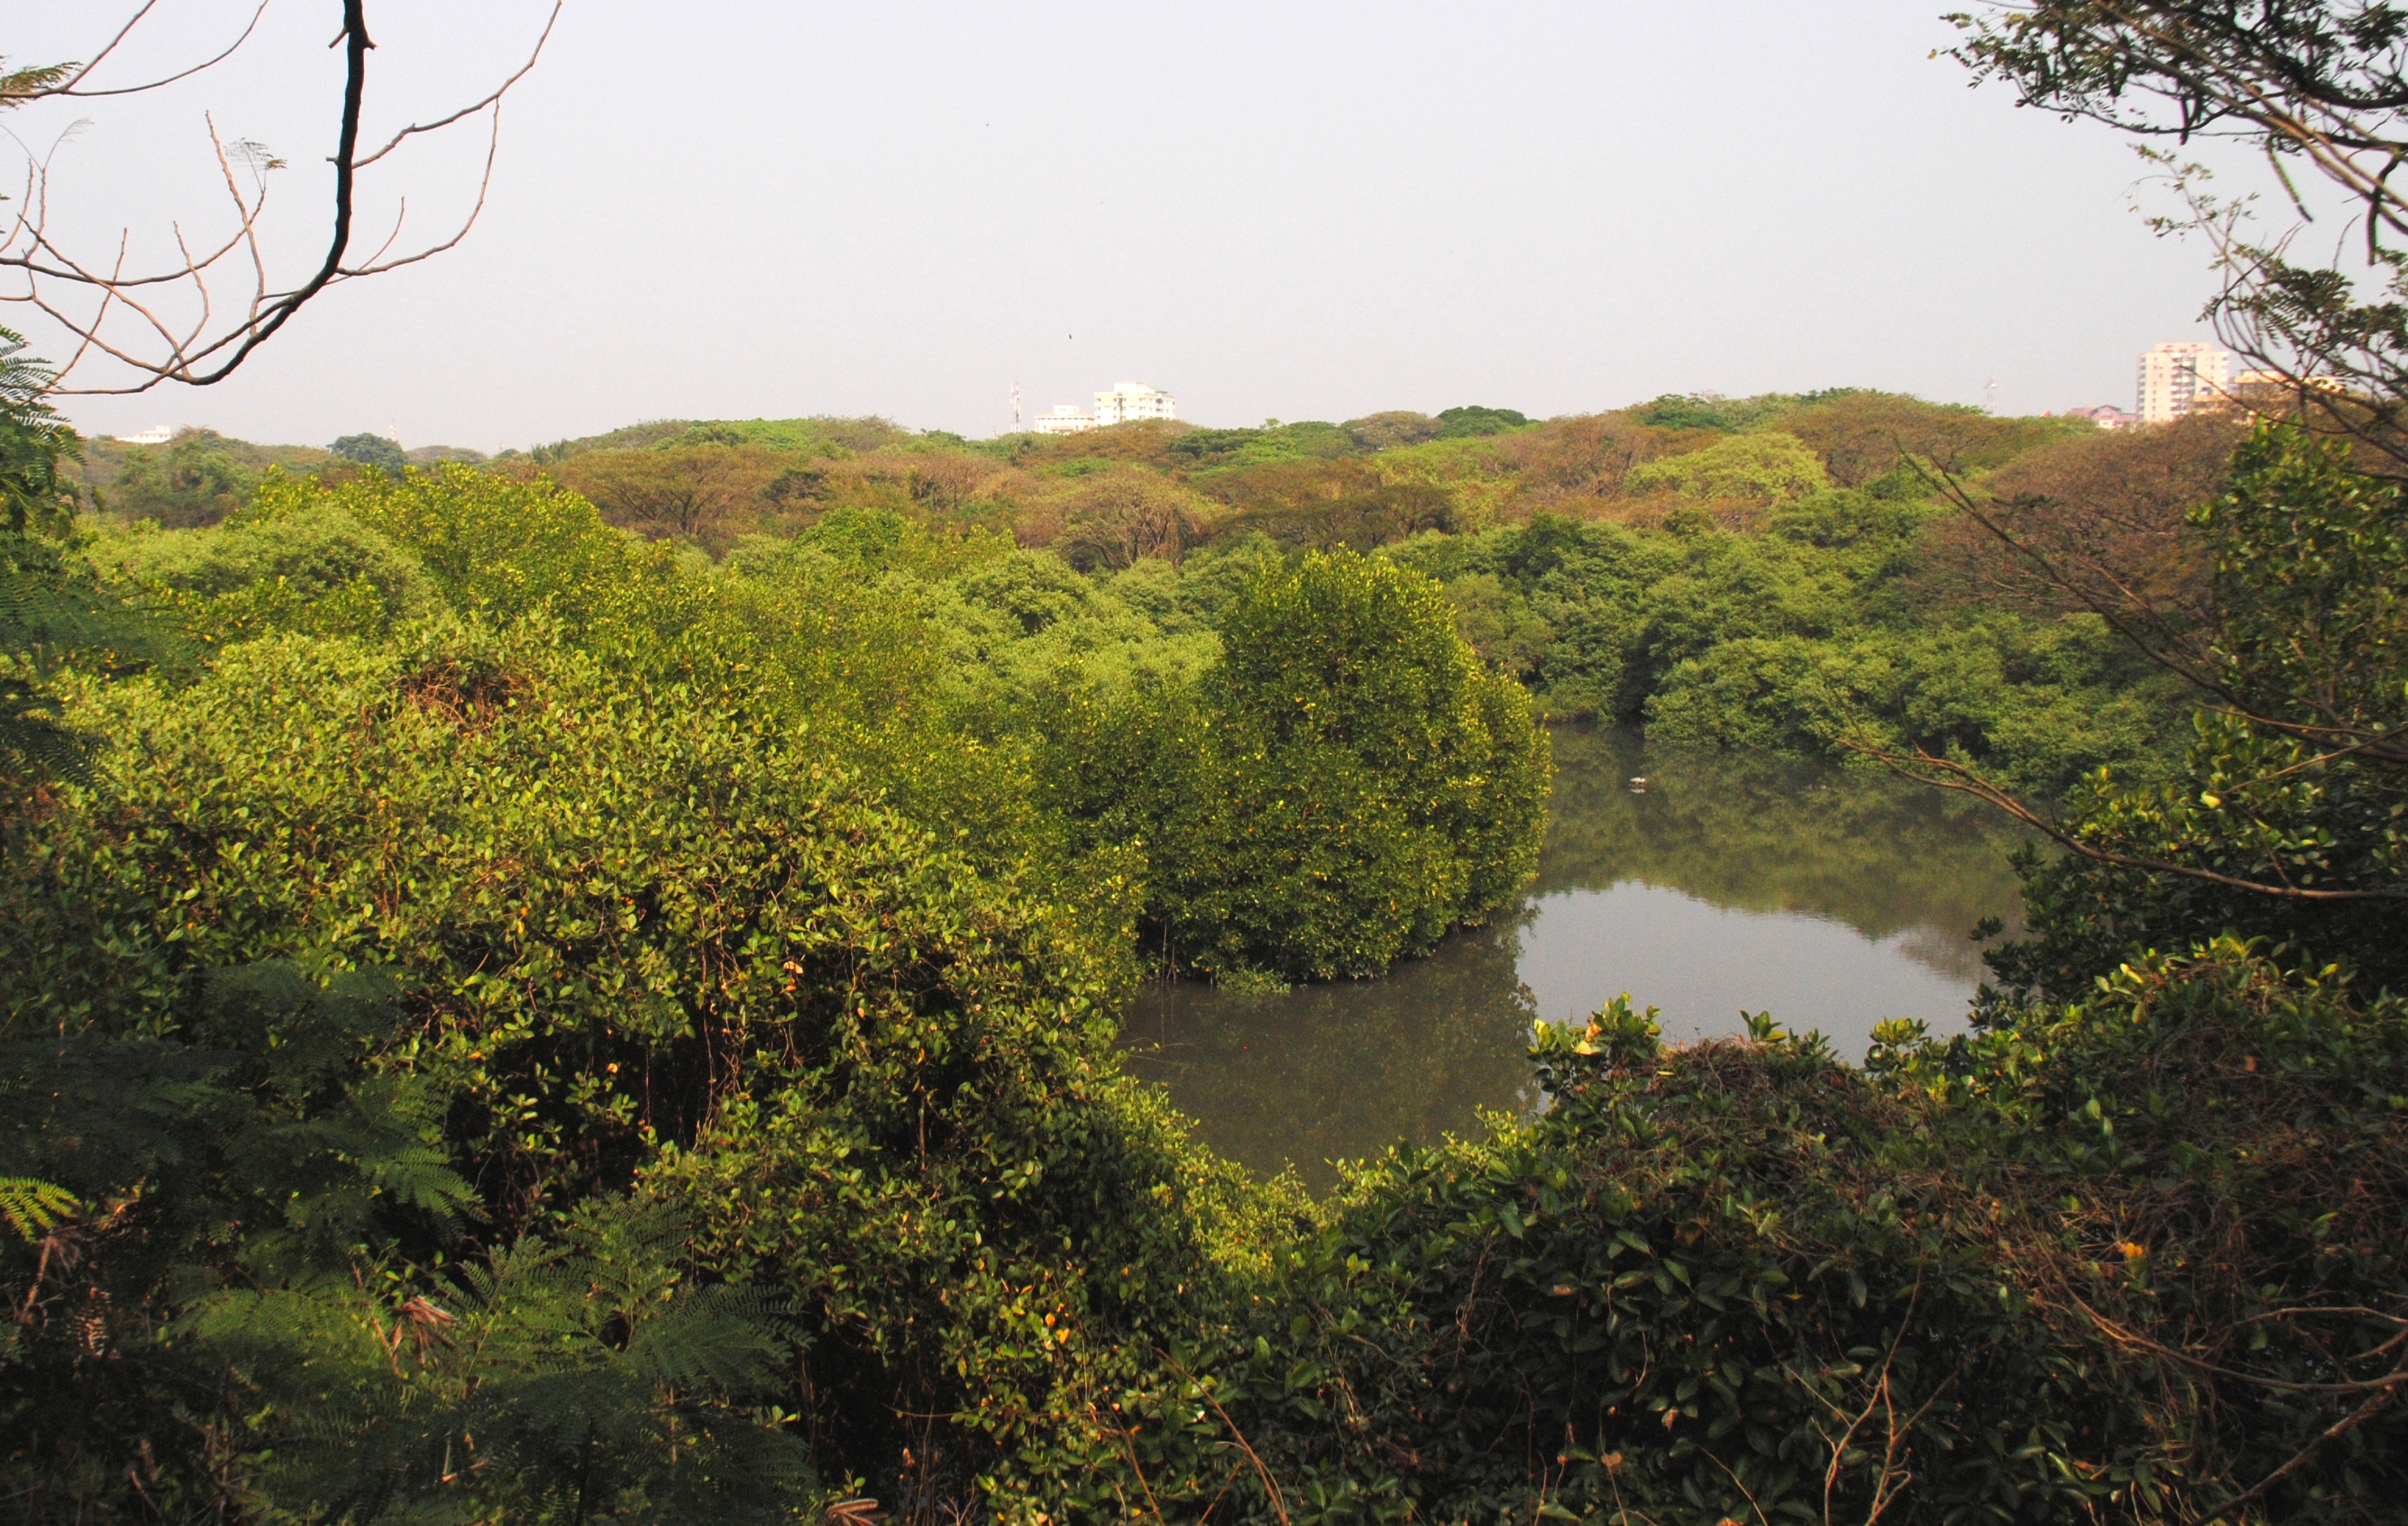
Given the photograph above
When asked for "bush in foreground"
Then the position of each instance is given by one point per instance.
(2138, 1260)
(643, 943)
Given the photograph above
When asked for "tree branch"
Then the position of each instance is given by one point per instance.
(1952, 775)
(68, 87)
(195, 357)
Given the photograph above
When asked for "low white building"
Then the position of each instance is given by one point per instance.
(2181, 378)
(1126, 402)
(1131, 400)
(1066, 419)
(2106, 416)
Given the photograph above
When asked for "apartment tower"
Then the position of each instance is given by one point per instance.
(2181, 378)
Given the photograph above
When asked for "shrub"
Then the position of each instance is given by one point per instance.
(1356, 783)
(2134, 1261)
(648, 940)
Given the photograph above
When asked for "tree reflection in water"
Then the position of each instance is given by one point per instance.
(1832, 896)
(1343, 1070)
(1756, 833)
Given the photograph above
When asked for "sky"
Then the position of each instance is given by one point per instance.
(733, 209)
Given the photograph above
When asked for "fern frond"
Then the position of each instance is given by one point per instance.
(632, 1252)
(727, 1339)
(32, 744)
(20, 85)
(422, 1176)
(33, 1209)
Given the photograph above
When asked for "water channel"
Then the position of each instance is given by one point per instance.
(1832, 898)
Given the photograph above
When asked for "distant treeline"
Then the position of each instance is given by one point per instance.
(1157, 488)
(1769, 572)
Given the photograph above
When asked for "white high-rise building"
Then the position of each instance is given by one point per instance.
(2182, 378)
(1129, 400)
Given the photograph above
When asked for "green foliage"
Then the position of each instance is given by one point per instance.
(641, 935)
(2137, 1259)
(1474, 422)
(1711, 411)
(317, 569)
(34, 1209)
(587, 1379)
(195, 479)
(257, 1177)
(1570, 591)
(1766, 467)
(2293, 780)
(818, 436)
(369, 450)
(2039, 705)
(34, 441)
(1808, 637)
(53, 608)
(44, 603)
(2314, 572)
(2234, 1135)
(1206, 449)
(495, 550)
(549, 905)
(553, 1027)
(1332, 720)
(1353, 784)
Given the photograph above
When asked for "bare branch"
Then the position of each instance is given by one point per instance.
(56, 284)
(2134, 616)
(464, 111)
(73, 72)
(2374, 1405)
(484, 186)
(1945, 773)
(355, 42)
(1950, 486)
(68, 87)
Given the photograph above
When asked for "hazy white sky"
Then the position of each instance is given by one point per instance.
(734, 209)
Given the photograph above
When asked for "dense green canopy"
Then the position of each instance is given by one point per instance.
(515, 1007)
